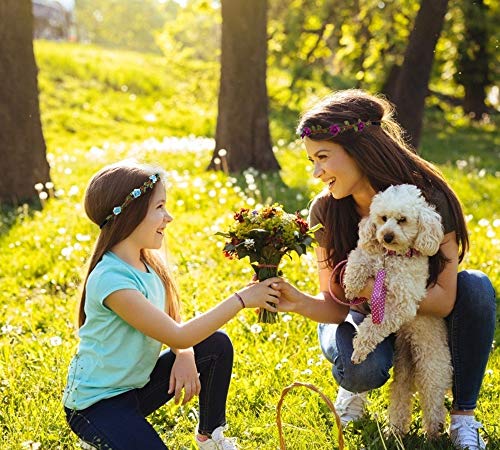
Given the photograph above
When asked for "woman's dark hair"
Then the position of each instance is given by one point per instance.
(382, 154)
(107, 189)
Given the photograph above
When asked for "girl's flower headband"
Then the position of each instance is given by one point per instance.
(337, 128)
(137, 192)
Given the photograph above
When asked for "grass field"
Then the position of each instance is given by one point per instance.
(98, 107)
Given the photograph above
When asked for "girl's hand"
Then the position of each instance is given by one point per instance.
(184, 375)
(261, 295)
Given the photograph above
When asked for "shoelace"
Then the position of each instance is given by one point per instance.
(466, 433)
(226, 443)
(352, 406)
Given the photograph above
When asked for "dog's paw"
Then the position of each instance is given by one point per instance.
(358, 356)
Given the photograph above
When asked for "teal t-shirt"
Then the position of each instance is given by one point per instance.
(113, 357)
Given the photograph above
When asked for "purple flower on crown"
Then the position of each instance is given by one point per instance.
(361, 126)
(307, 131)
(334, 129)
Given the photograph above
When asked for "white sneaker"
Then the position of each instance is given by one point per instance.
(217, 441)
(464, 433)
(350, 406)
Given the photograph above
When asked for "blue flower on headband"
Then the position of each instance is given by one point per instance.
(153, 178)
(136, 192)
(117, 210)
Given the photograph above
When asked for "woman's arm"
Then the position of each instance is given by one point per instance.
(440, 298)
(137, 311)
(321, 307)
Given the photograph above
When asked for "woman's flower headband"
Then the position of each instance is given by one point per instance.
(137, 192)
(337, 128)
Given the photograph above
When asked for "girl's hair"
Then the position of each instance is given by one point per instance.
(384, 157)
(107, 189)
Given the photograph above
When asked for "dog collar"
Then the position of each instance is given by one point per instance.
(409, 253)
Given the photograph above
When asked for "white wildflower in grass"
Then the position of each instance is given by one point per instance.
(310, 361)
(272, 337)
(496, 223)
(31, 445)
(73, 190)
(55, 341)
(66, 251)
(82, 237)
(286, 318)
(7, 329)
(278, 366)
(483, 223)
(255, 328)
(307, 372)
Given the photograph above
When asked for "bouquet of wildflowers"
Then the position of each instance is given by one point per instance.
(265, 236)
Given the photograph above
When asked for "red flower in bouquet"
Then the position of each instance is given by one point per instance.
(265, 236)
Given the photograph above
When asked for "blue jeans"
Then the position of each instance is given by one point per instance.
(471, 326)
(119, 422)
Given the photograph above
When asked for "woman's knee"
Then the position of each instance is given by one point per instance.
(475, 293)
(362, 379)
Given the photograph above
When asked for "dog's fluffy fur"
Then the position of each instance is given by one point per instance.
(401, 219)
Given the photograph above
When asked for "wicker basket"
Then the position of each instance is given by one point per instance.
(323, 396)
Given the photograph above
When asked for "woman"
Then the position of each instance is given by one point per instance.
(357, 150)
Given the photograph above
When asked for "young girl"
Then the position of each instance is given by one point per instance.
(357, 150)
(129, 309)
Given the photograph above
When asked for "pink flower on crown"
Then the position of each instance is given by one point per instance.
(334, 129)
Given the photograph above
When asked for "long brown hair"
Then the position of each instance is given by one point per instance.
(107, 189)
(385, 158)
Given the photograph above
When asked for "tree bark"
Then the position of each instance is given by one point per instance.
(473, 58)
(242, 122)
(412, 83)
(22, 146)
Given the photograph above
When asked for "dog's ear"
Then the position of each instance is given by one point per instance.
(367, 239)
(430, 232)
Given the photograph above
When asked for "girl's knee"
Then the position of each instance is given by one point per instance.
(221, 341)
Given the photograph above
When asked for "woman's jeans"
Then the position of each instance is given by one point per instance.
(119, 422)
(471, 326)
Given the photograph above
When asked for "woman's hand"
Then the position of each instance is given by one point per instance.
(185, 376)
(290, 296)
(261, 295)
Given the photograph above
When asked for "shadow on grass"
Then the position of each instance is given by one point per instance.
(10, 215)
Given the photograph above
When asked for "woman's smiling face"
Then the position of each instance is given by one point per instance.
(337, 169)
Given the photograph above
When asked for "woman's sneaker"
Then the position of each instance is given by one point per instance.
(350, 406)
(464, 432)
(217, 441)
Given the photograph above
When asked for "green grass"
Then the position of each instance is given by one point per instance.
(88, 122)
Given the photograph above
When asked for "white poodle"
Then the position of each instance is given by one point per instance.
(395, 241)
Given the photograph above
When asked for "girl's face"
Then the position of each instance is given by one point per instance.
(337, 169)
(149, 233)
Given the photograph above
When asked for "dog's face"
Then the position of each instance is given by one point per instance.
(396, 223)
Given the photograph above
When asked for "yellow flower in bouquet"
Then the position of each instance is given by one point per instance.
(265, 235)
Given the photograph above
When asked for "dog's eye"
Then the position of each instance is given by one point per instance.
(402, 220)
(384, 218)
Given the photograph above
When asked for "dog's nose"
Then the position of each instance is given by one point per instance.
(388, 237)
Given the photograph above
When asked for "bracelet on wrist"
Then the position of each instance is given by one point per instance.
(240, 299)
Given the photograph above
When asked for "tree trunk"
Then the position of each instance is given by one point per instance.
(22, 147)
(242, 122)
(412, 83)
(473, 58)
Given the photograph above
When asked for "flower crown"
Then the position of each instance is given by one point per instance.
(137, 192)
(337, 128)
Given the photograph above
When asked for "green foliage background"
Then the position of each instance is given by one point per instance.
(99, 106)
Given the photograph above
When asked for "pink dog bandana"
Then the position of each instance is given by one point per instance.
(377, 301)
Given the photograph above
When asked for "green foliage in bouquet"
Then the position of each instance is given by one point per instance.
(265, 236)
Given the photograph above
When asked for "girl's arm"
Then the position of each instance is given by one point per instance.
(137, 311)
(440, 298)
(320, 308)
